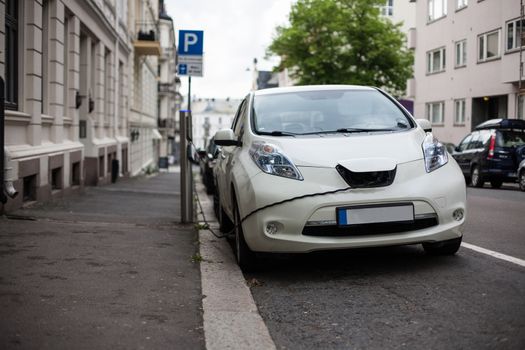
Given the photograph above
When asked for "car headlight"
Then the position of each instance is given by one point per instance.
(271, 160)
(435, 153)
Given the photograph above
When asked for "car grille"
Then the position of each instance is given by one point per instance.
(366, 179)
(370, 229)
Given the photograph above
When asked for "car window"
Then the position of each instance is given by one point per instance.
(236, 118)
(239, 126)
(485, 137)
(464, 144)
(304, 112)
(475, 141)
(508, 138)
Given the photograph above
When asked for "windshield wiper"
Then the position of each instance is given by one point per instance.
(347, 131)
(277, 133)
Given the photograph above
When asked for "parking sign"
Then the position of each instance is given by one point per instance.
(190, 52)
(191, 42)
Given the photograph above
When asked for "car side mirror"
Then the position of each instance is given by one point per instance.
(424, 124)
(226, 137)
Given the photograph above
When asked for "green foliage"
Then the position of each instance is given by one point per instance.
(343, 42)
(196, 258)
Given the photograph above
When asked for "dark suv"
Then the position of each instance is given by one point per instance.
(489, 152)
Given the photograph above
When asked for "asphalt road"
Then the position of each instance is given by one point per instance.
(400, 298)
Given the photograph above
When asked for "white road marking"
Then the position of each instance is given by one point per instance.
(494, 254)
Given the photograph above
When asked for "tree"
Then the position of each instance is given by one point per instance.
(343, 42)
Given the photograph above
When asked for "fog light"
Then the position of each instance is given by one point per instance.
(458, 214)
(271, 228)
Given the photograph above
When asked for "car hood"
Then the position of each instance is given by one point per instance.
(356, 152)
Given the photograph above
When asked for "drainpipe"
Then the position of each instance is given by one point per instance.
(9, 189)
(6, 172)
(3, 198)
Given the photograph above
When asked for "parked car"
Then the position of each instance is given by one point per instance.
(489, 152)
(521, 168)
(330, 167)
(207, 160)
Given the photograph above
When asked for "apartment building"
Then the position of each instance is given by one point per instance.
(467, 63)
(81, 80)
(210, 115)
(145, 137)
(63, 63)
(168, 90)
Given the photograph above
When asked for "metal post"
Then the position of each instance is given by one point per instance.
(189, 93)
(186, 179)
(3, 197)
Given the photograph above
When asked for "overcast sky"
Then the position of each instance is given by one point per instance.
(235, 32)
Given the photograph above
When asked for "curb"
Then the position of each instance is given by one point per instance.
(230, 315)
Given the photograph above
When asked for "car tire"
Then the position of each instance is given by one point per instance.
(521, 180)
(449, 247)
(225, 224)
(216, 204)
(476, 179)
(246, 258)
(496, 183)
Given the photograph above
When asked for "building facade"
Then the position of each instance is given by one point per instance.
(467, 64)
(209, 116)
(145, 137)
(168, 91)
(81, 102)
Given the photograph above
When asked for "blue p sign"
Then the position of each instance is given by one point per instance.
(191, 42)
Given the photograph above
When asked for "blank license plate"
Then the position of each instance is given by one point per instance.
(359, 215)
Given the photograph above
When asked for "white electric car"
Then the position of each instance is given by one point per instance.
(331, 167)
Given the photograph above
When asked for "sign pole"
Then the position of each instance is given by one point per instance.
(189, 93)
(189, 59)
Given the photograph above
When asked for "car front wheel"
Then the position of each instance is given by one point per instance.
(449, 247)
(476, 178)
(522, 180)
(246, 258)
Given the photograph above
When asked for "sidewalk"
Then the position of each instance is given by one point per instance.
(109, 269)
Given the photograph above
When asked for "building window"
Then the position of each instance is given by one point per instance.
(461, 53)
(435, 112)
(388, 8)
(11, 54)
(436, 9)
(461, 3)
(436, 60)
(459, 112)
(513, 34)
(489, 46)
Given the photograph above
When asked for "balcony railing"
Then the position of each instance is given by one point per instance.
(147, 42)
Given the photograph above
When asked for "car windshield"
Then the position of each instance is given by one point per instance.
(326, 111)
(510, 138)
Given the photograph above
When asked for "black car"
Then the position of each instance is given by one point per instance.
(207, 161)
(489, 152)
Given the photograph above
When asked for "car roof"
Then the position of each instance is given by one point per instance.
(502, 124)
(282, 90)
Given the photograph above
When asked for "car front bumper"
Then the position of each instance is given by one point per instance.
(294, 223)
